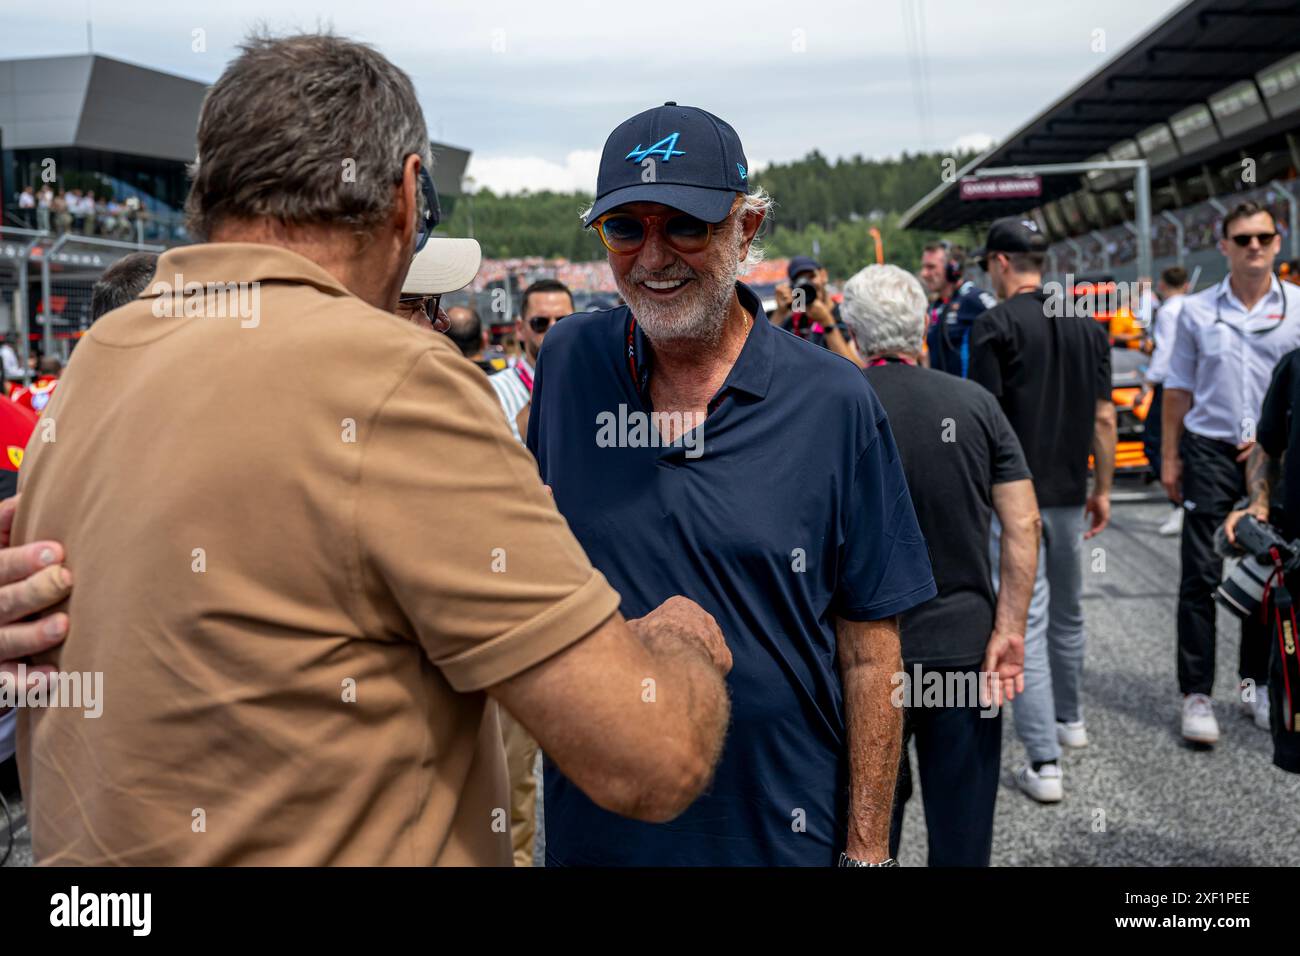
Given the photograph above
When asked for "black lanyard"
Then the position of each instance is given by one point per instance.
(1218, 316)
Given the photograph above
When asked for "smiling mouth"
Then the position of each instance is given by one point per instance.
(664, 288)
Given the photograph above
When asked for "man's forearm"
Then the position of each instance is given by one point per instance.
(682, 665)
(1104, 438)
(1021, 531)
(869, 658)
(1263, 473)
(1177, 403)
(837, 343)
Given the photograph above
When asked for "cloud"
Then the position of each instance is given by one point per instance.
(976, 142)
(513, 174)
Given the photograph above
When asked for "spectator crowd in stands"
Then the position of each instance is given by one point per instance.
(74, 210)
(1201, 224)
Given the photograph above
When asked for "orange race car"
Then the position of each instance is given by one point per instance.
(1128, 362)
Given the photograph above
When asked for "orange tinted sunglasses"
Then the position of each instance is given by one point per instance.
(624, 234)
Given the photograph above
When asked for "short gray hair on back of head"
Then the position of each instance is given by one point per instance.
(885, 307)
(306, 129)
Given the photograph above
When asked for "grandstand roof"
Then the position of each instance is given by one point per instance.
(1173, 71)
(92, 101)
(95, 102)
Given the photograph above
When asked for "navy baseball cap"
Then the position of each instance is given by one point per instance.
(801, 264)
(680, 156)
(1012, 234)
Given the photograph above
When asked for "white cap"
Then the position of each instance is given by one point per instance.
(443, 265)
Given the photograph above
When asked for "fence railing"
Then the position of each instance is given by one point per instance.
(53, 309)
(132, 225)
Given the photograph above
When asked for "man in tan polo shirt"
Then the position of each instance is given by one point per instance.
(309, 554)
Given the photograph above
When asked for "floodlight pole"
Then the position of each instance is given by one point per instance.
(1141, 192)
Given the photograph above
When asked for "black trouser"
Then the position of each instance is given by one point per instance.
(1213, 481)
(1151, 430)
(1284, 682)
(960, 754)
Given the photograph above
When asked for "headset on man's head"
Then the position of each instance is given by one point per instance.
(953, 265)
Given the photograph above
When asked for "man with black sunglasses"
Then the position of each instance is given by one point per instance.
(543, 304)
(1230, 336)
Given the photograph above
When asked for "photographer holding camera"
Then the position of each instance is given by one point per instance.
(805, 308)
(1279, 428)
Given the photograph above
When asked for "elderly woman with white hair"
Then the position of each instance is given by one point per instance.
(964, 648)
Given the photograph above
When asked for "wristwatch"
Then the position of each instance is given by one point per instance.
(846, 860)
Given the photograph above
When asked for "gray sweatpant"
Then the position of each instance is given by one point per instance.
(1054, 638)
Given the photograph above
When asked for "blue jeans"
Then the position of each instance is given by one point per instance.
(1054, 637)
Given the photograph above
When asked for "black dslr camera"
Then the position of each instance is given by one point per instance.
(1247, 575)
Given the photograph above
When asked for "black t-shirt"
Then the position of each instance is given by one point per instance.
(1048, 371)
(1278, 430)
(955, 444)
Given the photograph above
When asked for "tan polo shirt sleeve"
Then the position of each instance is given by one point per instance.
(457, 531)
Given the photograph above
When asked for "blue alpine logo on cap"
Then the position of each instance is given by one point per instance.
(741, 169)
(666, 147)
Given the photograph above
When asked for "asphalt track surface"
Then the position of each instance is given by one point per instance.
(1137, 795)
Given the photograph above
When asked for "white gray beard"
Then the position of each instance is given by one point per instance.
(699, 318)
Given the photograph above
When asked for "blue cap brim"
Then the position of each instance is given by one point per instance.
(711, 205)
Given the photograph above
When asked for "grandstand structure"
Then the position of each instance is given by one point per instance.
(125, 131)
(1209, 97)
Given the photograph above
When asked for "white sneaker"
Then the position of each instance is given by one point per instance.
(1173, 524)
(1071, 733)
(1261, 709)
(1199, 725)
(1043, 785)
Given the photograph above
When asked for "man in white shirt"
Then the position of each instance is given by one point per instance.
(1172, 287)
(1230, 337)
(543, 303)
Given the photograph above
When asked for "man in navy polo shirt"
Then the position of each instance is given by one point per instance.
(696, 449)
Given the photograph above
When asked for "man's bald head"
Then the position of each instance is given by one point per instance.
(466, 330)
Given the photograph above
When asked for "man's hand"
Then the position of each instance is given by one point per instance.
(784, 298)
(1097, 510)
(819, 311)
(31, 580)
(1230, 523)
(1005, 657)
(685, 618)
(1171, 477)
(1244, 450)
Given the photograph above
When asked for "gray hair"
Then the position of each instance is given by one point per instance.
(304, 129)
(755, 202)
(885, 307)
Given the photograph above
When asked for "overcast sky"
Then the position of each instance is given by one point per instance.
(534, 88)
